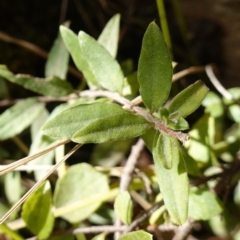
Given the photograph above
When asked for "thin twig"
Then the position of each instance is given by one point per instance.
(4, 169)
(127, 174)
(216, 83)
(183, 231)
(38, 184)
(34, 49)
(130, 165)
(143, 216)
(188, 71)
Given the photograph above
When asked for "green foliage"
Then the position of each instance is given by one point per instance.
(37, 213)
(136, 235)
(79, 177)
(172, 176)
(17, 118)
(123, 207)
(154, 69)
(52, 86)
(109, 112)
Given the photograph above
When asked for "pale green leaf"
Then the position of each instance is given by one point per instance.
(189, 99)
(102, 65)
(18, 117)
(154, 69)
(173, 182)
(110, 34)
(136, 235)
(79, 183)
(12, 186)
(68, 122)
(101, 236)
(71, 42)
(58, 58)
(123, 207)
(118, 126)
(199, 143)
(203, 204)
(52, 86)
(110, 154)
(40, 141)
(37, 212)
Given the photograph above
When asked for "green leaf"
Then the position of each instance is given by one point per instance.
(58, 58)
(188, 100)
(110, 154)
(71, 42)
(136, 235)
(52, 86)
(148, 137)
(154, 69)
(101, 236)
(118, 126)
(200, 138)
(40, 141)
(110, 34)
(203, 204)
(79, 183)
(37, 212)
(180, 124)
(17, 118)
(173, 182)
(102, 65)
(123, 207)
(12, 184)
(68, 122)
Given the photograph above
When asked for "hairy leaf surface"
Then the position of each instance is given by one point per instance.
(110, 34)
(18, 117)
(173, 182)
(117, 126)
(101, 64)
(154, 69)
(80, 182)
(67, 123)
(52, 86)
(189, 99)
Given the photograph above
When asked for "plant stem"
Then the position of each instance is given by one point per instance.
(164, 24)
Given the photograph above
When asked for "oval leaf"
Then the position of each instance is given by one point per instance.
(37, 213)
(154, 69)
(71, 42)
(79, 183)
(17, 118)
(52, 86)
(102, 65)
(203, 204)
(189, 99)
(67, 123)
(136, 235)
(110, 34)
(58, 58)
(118, 126)
(173, 182)
(123, 207)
